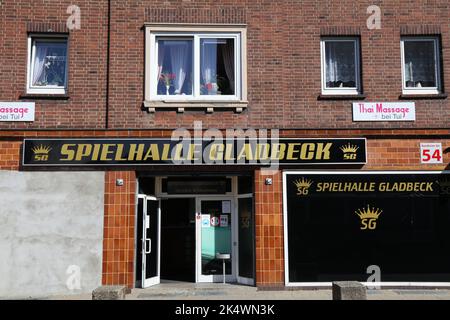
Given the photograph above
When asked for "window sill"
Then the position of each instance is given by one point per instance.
(341, 97)
(38, 96)
(423, 96)
(209, 106)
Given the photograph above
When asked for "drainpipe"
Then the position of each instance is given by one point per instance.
(108, 45)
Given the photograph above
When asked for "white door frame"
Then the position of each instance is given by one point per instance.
(198, 251)
(145, 250)
(244, 280)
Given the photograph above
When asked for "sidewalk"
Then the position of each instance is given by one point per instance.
(182, 291)
(192, 291)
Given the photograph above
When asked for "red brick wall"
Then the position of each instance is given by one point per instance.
(269, 230)
(386, 149)
(283, 61)
(119, 229)
(87, 61)
(10, 154)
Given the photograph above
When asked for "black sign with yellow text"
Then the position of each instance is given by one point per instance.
(363, 226)
(261, 152)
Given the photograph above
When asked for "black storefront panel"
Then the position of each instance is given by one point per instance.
(340, 224)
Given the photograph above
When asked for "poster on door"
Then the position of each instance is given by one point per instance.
(215, 221)
(223, 220)
(206, 220)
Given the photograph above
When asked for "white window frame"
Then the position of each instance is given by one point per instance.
(424, 90)
(340, 91)
(196, 32)
(30, 67)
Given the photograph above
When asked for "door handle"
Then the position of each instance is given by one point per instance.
(148, 248)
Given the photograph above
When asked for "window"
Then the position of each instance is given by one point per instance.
(195, 65)
(47, 65)
(340, 66)
(200, 66)
(420, 65)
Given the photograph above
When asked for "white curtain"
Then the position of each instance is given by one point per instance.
(209, 62)
(39, 63)
(340, 62)
(419, 63)
(228, 60)
(179, 52)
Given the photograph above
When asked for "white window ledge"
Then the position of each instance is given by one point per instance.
(209, 106)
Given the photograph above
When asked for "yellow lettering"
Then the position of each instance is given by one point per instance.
(216, 152)
(229, 156)
(166, 150)
(323, 151)
(65, 151)
(119, 153)
(83, 151)
(246, 152)
(262, 151)
(152, 153)
(134, 154)
(307, 151)
(96, 151)
(105, 152)
(278, 151)
(292, 151)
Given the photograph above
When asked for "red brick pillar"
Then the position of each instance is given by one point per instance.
(269, 229)
(119, 233)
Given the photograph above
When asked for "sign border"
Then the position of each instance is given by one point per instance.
(191, 164)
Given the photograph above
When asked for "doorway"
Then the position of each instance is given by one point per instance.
(148, 241)
(198, 235)
(178, 239)
(216, 239)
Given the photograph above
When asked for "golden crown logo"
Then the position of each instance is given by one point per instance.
(303, 186)
(369, 217)
(41, 152)
(349, 151)
(349, 148)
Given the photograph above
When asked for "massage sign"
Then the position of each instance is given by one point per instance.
(259, 152)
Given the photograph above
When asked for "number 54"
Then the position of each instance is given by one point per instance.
(428, 155)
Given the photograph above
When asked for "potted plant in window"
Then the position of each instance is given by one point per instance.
(167, 78)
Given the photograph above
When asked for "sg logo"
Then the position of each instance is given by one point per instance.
(370, 224)
(41, 157)
(350, 156)
(369, 216)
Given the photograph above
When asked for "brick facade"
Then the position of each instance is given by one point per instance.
(283, 61)
(389, 153)
(284, 85)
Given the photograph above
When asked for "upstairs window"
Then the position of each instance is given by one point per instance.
(194, 66)
(420, 65)
(340, 66)
(47, 68)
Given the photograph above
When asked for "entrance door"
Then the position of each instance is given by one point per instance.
(246, 238)
(150, 213)
(215, 236)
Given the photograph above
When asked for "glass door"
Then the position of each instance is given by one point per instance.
(216, 241)
(149, 210)
(246, 238)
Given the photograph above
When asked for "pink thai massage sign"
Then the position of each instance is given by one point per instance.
(384, 111)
